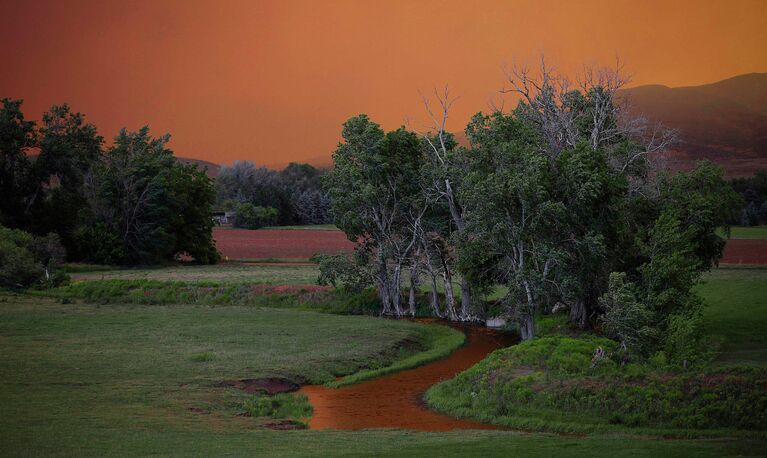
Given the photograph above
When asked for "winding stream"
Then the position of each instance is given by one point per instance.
(395, 400)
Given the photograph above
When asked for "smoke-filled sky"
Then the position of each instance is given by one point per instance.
(272, 81)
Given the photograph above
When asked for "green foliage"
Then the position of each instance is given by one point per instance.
(249, 216)
(510, 208)
(753, 191)
(684, 342)
(18, 267)
(377, 199)
(69, 149)
(340, 271)
(17, 181)
(283, 405)
(294, 191)
(27, 261)
(626, 319)
(146, 207)
(203, 357)
(703, 202)
(133, 204)
(101, 244)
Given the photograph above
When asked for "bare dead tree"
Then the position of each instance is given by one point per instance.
(545, 98)
(443, 184)
(559, 112)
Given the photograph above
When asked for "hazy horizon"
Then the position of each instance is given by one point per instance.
(271, 82)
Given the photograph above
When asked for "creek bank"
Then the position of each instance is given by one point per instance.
(396, 400)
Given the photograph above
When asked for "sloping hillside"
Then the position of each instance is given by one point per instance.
(210, 168)
(725, 122)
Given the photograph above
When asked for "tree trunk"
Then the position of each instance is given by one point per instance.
(466, 310)
(383, 286)
(413, 287)
(527, 327)
(578, 312)
(527, 318)
(449, 299)
(395, 291)
(435, 295)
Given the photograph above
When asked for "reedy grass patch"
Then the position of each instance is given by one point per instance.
(282, 405)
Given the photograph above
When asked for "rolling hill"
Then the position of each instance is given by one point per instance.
(725, 122)
(211, 169)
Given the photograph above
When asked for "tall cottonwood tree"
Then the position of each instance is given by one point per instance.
(69, 149)
(18, 137)
(377, 200)
(145, 207)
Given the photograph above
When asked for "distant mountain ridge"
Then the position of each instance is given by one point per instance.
(210, 168)
(725, 122)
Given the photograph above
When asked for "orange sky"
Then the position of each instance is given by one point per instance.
(273, 81)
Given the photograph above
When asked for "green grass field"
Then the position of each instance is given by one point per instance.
(736, 314)
(276, 274)
(748, 232)
(102, 379)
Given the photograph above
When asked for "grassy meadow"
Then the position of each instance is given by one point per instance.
(111, 376)
(232, 272)
(749, 232)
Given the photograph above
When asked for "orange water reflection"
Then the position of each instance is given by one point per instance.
(395, 401)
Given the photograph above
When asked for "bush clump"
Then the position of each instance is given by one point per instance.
(26, 260)
(251, 217)
(283, 405)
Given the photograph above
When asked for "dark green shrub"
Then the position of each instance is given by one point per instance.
(626, 319)
(26, 260)
(251, 217)
(282, 405)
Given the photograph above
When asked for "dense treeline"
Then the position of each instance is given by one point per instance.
(559, 201)
(264, 197)
(129, 203)
(753, 190)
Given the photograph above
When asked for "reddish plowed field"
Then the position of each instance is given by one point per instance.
(279, 244)
(745, 252)
(264, 244)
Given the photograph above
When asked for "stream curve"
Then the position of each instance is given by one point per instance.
(396, 400)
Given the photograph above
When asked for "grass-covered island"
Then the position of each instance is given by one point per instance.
(559, 382)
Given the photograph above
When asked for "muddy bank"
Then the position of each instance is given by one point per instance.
(269, 386)
(395, 400)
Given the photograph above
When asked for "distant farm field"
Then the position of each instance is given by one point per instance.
(271, 244)
(744, 251)
(297, 245)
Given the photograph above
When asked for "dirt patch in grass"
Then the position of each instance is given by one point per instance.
(288, 289)
(284, 425)
(270, 385)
